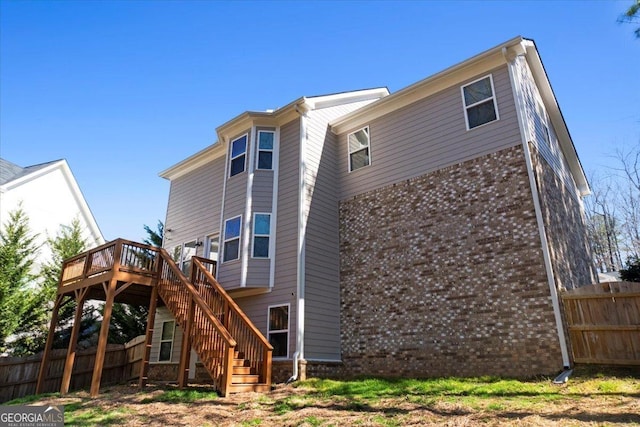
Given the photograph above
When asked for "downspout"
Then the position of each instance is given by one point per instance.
(510, 56)
(302, 228)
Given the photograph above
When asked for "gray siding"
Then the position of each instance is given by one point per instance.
(322, 259)
(195, 201)
(286, 227)
(163, 315)
(235, 203)
(428, 135)
(549, 150)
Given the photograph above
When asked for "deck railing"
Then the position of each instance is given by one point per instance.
(133, 257)
(211, 340)
(215, 319)
(251, 343)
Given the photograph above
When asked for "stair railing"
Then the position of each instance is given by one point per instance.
(211, 340)
(251, 343)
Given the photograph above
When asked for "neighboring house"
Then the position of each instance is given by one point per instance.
(421, 233)
(49, 195)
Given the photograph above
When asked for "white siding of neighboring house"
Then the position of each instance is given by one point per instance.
(49, 200)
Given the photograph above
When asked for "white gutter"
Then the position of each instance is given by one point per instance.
(517, 95)
(302, 227)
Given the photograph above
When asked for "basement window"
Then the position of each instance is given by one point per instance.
(359, 155)
(479, 102)
(238, 155)
(278, 330)
(166, 341)
(232, 238)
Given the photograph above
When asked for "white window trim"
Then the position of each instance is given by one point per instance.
(224, 242)
(258, 150)
(254, 235)
(231, 158)
(288, 330)
(544, 119)
(368, 147)
(173, 335)
(493, 98)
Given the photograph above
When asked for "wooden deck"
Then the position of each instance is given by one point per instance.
(236, 354)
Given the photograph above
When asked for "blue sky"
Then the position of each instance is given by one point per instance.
(125, 89)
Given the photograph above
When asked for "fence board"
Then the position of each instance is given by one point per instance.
(18, 375)
(604, 323)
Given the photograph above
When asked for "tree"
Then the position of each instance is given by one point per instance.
(18, 250)
(68, 243)
(154, 237)
(631, 16)
(127, 322)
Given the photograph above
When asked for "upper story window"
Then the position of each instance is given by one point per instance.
(358, 142)
(265, 149)
(479, 102)
(261, 234)
(543, 122)
(238, 155)
(232, 238)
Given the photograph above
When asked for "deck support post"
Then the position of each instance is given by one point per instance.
(185, 350)
(44, 363)
(102, 341)
(80, 296)
(151, 316)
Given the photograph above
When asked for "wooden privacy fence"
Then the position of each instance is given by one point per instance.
(604, 323)
(18, 375)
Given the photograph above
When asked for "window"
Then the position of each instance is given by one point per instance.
(261, 232)
(188, 251)
(265, 149)
(232, 238)
(166, 341)
(479, 102)
(542, 122)
(238, 155)
(359, 149)
(278, 331)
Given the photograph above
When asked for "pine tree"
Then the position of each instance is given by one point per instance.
(18, 250)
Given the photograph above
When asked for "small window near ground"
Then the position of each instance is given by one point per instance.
(479, 102)
(166, 341)
(261, 234)
(265, 149)
(232, 238)
(238, 155)
(278, 330)
(359, 155)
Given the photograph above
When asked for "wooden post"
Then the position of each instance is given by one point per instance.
(185, 350)
(73, 341)
(44, 364)
(144, 367)
(102, 341)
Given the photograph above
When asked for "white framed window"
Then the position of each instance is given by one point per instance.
(182, 254)
(278, 330)
(265, 149)
(212, 246)
(166, 341)
(238, 155)
(231, 249)
(261, 234)
(359, 154)
(479, 102)
(543, 122)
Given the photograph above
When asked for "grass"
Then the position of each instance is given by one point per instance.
(591, 396)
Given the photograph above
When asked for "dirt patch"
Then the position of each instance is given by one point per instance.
(286, 405)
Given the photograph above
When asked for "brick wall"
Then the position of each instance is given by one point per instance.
(443, 275)
(565, 226)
